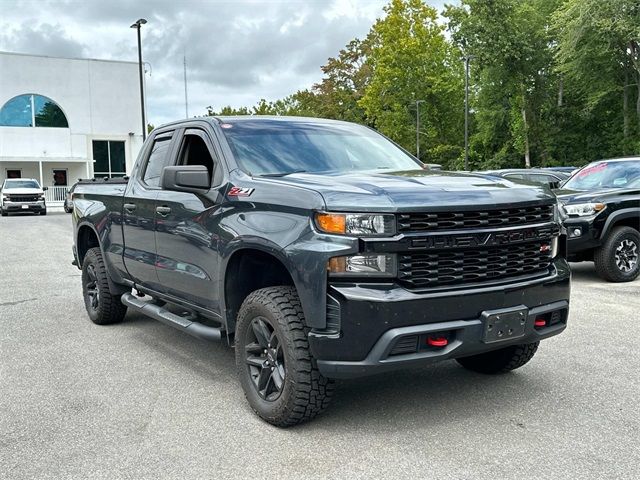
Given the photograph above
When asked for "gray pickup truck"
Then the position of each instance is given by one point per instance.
(321, 250)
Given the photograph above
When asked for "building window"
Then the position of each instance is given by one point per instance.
(32, 110)
(60, 177)
(14, 173)
(109, 159)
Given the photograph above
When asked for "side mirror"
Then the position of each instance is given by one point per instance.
(186, 178)
(45, 188)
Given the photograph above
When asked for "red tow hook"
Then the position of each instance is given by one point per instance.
(540, 322)
(437, 341)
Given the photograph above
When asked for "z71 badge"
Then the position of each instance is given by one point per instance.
(240, 192)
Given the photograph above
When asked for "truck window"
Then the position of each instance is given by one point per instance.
(158, 159)
(194, 151)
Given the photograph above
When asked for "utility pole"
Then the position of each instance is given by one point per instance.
(186, 101)
(418, 102)
(466, 112)
(137, 26)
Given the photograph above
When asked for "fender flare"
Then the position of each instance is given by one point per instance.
(616, 216)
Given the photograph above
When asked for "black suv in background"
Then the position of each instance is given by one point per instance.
(602, 207)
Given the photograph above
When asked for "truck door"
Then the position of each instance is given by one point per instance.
(139, 212)
(187, 227)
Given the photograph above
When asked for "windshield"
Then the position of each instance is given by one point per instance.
(608, 174)
(20, 184)
(275, 147)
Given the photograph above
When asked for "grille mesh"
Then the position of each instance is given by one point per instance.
(427, 222)
(421, 270)
(23, 198)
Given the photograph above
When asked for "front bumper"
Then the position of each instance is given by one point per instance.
(582, 237)
(9, 206)
(375, 319)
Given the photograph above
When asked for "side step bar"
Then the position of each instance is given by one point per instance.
(161, 314)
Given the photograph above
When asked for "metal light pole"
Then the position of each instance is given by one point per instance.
(466, 111)
(137, 26)
(418, 102)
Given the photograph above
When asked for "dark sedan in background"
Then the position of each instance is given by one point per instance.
(551, 178)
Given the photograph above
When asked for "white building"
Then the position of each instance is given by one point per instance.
(62, 119)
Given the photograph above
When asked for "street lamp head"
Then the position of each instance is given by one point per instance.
(139, 22)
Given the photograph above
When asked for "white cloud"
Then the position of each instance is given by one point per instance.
(237, 51)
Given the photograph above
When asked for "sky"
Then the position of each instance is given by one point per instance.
(237, 52)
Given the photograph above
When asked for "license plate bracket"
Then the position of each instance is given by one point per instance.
(504, 325)
(25, 207)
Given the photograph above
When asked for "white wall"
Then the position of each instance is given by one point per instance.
(101, 100)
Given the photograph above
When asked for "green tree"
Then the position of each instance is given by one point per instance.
(410, 59)
(512, 58)
(599, 52)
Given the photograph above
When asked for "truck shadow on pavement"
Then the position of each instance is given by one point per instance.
(431, 395)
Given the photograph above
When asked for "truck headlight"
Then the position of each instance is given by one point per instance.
(40, 198)
(361, 224)
(583, 209)
(376, 265)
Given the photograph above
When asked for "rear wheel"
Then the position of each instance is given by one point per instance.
(500, 361)
(102, 306)
(279, 376)
(618, 260)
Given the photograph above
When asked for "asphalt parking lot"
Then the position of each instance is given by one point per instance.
(142, 400)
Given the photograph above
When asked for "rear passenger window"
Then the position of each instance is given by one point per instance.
(158, 159)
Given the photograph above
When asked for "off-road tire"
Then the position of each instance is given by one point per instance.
(43, 212)
(604, 257)
(108, 308)
(500, 361)
(4, 212)
(305, 392)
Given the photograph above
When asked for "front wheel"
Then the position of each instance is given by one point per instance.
(102, 306)
(279, 376)
(618, 259)
(43, 212)
(500, 361)
(4, 212)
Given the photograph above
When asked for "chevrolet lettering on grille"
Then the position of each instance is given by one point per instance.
(463, 240)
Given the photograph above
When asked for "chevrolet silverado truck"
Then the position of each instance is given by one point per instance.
(321, 250)
(22, 195)
(601, 203)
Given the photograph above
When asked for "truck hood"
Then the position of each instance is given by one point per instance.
(22, 191)
(416, 190)
(585, 196)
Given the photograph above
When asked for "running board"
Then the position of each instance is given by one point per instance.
(163, 315)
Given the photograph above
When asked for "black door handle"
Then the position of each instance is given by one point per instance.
(129, 207)
(164, 211)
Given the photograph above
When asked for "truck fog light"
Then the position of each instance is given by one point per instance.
(575, 232)
(378, 265)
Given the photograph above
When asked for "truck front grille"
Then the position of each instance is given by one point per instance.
(505, 217)
(477, 265)
(23, 198)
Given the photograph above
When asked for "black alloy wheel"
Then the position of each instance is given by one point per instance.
(627, 255)
(618, 259)
(265, 359)
(92, 292)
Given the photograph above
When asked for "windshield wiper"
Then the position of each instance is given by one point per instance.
(281, 174)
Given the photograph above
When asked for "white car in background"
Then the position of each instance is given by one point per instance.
(22, 195)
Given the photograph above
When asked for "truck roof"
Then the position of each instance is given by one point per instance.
(258, 119)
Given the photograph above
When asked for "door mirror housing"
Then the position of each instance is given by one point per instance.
(44, 189)
(186, 178)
